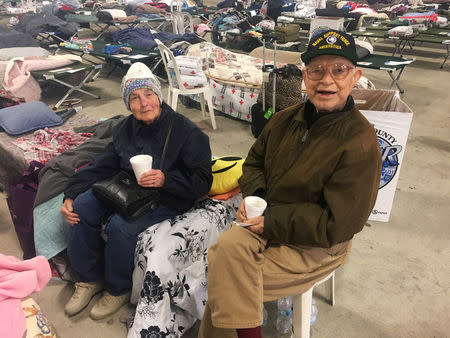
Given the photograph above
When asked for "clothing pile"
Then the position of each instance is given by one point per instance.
(191, 72)
(401, 31)
(415, 18)
(287, 33)
(298, 11)
(117, 49)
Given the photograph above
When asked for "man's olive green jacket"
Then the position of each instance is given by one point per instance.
(320, 183)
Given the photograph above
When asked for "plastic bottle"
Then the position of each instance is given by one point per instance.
(314, 311)
(284, 319)
(264, 316)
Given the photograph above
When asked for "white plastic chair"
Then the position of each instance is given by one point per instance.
(301, 314)
(182, 22)
(175, 6)
(173, 92)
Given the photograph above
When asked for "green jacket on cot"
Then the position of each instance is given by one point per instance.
(320, 184)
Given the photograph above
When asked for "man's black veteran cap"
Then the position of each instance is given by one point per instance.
(331, 42)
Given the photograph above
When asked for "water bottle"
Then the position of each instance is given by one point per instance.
(284, 319)
(264, 316)
(314, 311)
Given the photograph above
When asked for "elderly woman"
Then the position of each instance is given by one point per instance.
(186, 176)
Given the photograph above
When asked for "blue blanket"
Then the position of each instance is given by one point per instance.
(50, 227)
(142, 38)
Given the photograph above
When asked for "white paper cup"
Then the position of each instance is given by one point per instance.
(254, 206)
(141, 164)
(362, 29)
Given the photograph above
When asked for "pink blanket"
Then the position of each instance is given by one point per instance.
(17, 76)
(19, 279)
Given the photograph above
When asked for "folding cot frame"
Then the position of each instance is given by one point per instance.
(57, 75)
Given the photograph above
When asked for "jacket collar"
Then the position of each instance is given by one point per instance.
(322, 119)
(159, 124)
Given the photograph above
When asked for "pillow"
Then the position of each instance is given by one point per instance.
(226, 172)
(363, 48)
(13, 52)
(227, 195)
(401, 31)
(27, 117)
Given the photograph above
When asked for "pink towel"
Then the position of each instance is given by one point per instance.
(18, 279)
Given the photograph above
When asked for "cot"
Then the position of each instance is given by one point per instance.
(402, 42)
(84, 21)
(14, 161)
(371, 35)
(393, 65)
(305, 23)
(150, 57)
(58, 75)
(438, 31)
(157, 23)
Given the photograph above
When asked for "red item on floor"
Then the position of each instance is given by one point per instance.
(254, 332)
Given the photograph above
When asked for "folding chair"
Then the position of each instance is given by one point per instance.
(57, 75)
(182, 23)
(301, 315)
(173, 92)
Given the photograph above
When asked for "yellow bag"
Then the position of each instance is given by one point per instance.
(226, 172)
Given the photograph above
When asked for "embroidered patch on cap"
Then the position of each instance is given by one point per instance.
(331, 42)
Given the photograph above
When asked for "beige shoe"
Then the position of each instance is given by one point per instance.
(108, 304)
(82, 296)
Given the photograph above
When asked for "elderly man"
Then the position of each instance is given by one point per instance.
(317, 164)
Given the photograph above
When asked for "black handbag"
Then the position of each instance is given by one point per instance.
(125, 195)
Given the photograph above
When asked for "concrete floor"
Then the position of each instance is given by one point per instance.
(396, 281)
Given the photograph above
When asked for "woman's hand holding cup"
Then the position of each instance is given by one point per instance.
(153, 178)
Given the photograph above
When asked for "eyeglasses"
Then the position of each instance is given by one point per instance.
(338, 71)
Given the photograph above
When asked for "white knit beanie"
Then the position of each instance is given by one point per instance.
(139, 76)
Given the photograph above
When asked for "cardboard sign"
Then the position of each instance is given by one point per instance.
(392, 130)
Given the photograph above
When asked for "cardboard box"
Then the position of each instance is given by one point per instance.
(391, 118)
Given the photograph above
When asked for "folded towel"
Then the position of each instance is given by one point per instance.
(190, 71)
(188, 62)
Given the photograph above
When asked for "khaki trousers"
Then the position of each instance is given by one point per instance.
(243, 273)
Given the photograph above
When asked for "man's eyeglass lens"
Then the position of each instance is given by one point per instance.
(337, 71)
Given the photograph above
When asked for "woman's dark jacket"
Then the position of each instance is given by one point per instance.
(187, 166)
